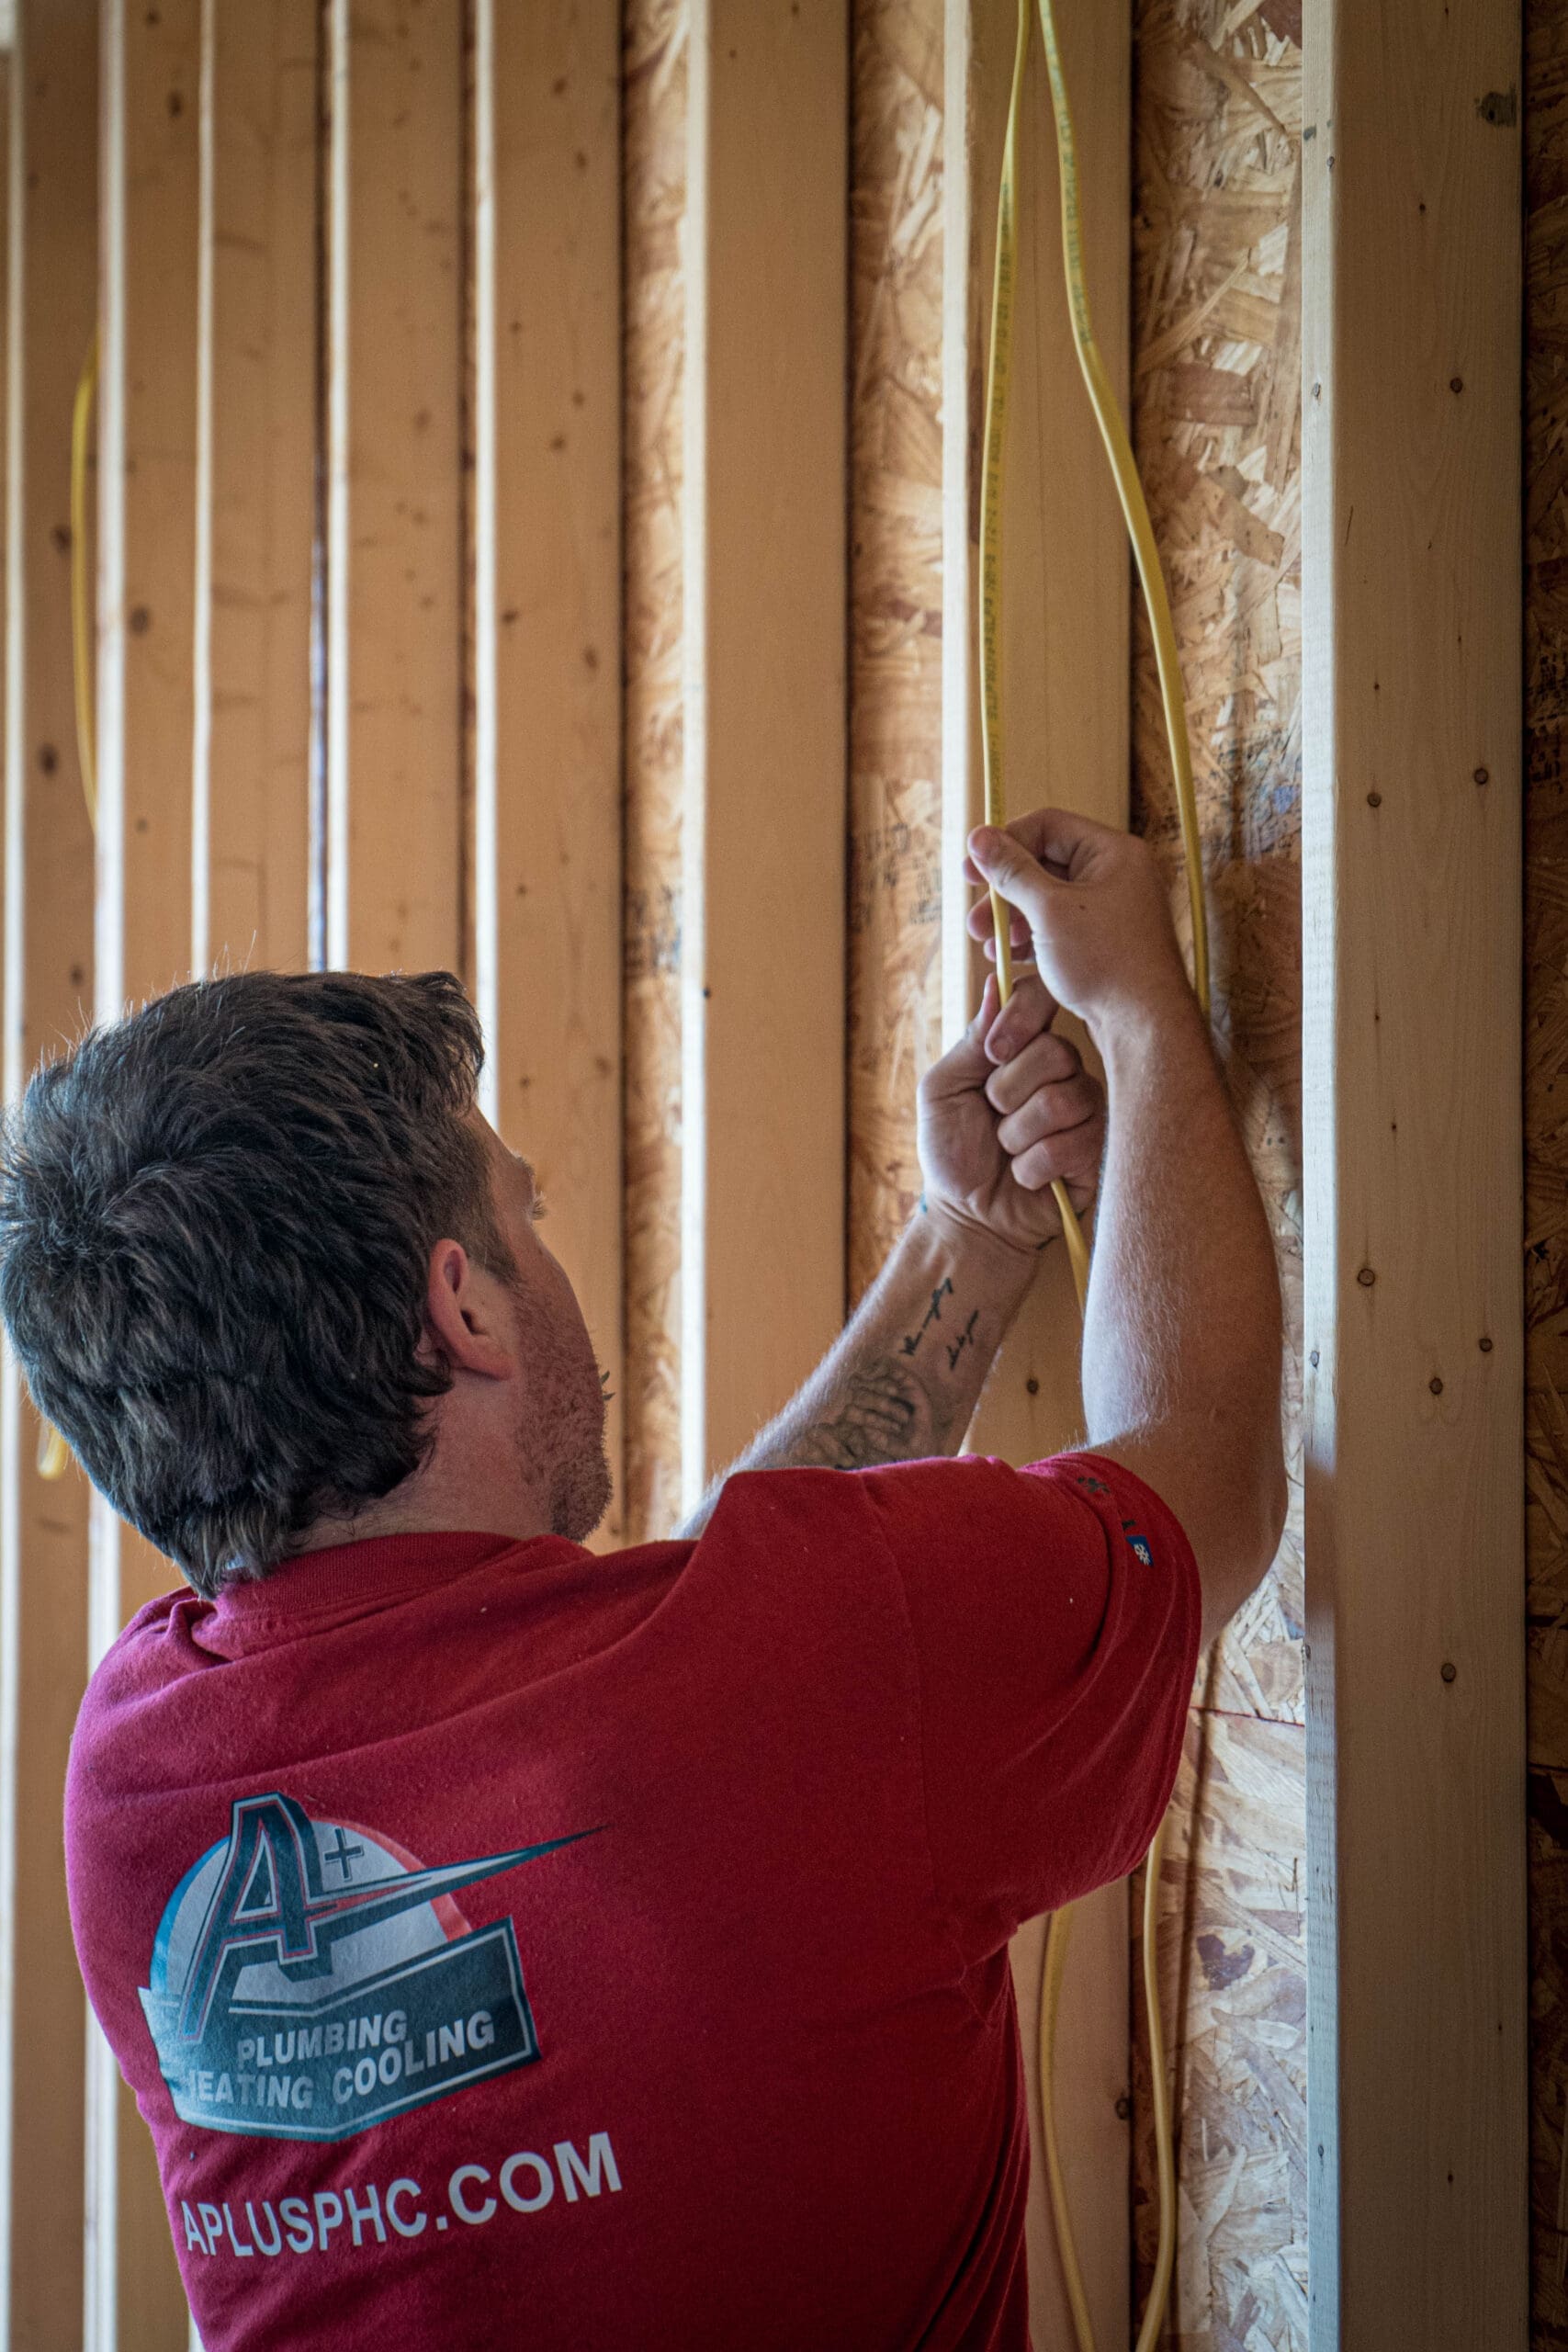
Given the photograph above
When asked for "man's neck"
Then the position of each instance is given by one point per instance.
(427, 1505)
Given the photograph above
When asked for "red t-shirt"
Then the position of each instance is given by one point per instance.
(510, 1946)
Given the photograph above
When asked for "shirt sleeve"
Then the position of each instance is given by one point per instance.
(1054, 1613)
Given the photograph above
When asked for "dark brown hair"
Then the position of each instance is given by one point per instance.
(216, 1217)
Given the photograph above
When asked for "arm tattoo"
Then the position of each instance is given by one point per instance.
(965, 1340)
(933, 1315)
(881, 1414)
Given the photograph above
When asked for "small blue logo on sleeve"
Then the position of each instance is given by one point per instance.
(1137, 1543)
(310, 1978)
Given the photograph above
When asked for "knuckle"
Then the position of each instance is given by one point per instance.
(1018, 1132)
(1062, 1106)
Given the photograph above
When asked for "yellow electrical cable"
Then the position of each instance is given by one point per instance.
(1134, 508)
(81, 581)
(1057, 1935)
(53, 1453)
(993, 467)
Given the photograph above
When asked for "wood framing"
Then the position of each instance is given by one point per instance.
(1411, 891)
(50, 192)
(546, 606)
(1065, 666)
(395, 534)
(1546, 1144)
(255, 483)
(147, 452)
(762, 972)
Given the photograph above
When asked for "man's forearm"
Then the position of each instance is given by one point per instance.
(903, 1379)
(1182, 1335)
(1184, 1306)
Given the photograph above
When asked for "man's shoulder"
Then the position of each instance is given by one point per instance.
(851, 1502)
(138, 1663)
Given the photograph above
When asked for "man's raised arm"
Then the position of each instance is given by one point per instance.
(1181, 1343)
(1181, 1351)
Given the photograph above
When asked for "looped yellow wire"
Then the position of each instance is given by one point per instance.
(1135, 509)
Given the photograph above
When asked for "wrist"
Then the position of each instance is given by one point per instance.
(1006, 1269)
(1158, 1021)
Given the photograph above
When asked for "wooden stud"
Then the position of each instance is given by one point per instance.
(1417, 1985)
(1545, 91)
(1064, 683)
(547, 594)
(395, 555)
(52, 91)
(764, 818)
(256, 490)
(146, 715)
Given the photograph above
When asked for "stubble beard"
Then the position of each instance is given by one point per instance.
(560, 1436)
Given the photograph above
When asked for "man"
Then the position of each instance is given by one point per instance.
(509, 1946)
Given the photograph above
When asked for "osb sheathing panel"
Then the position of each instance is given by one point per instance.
(1216, 420)
(655, 199)
(1233, 1940)
(1546, 1139)
(895, 608)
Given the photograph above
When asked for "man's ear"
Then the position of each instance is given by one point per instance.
(464, 1312)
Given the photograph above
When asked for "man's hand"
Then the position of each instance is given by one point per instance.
(1089, 906)
(1008, 1111)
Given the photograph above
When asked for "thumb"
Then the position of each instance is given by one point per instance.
(1006, 865)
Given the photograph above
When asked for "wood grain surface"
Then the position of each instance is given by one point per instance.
(257, 367)
(1546, 1143)
(763, 736)
(547, 561)
(51, 83)
(1411, 885)
(395, 553)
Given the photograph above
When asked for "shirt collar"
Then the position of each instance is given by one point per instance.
(368, 1576)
